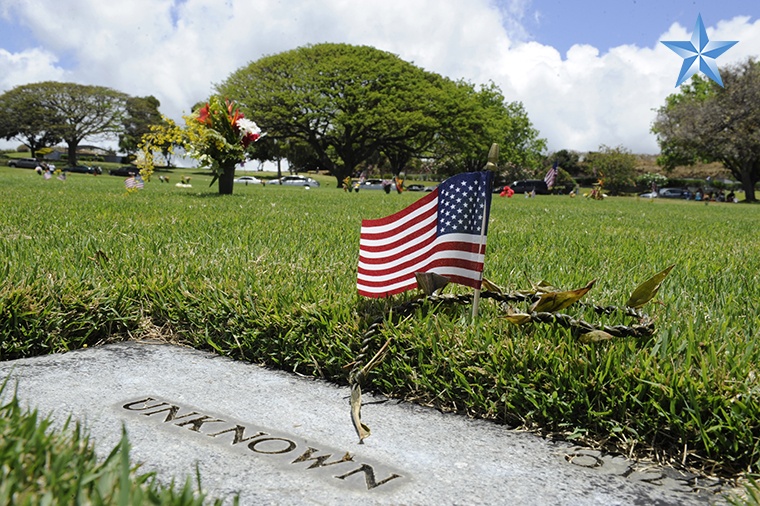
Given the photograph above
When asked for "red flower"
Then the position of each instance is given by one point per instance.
(234, 118)
(248, 139)
(203, 115)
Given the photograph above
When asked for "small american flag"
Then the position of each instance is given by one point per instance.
(551, 176)
(439, 233)
(134, 182)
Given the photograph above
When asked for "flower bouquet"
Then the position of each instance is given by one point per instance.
(217, 135)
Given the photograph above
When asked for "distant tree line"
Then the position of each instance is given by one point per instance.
(331, 107)
(43, 114)
(705, 122)
(348, 109)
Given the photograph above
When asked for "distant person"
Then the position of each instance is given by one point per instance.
(731, 197)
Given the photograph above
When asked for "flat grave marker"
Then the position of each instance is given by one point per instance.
(277, 438)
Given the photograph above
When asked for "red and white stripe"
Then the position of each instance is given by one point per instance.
(393, 248)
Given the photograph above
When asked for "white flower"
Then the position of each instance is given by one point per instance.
(247, 126)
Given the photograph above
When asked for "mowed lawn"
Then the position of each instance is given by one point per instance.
(268, 275)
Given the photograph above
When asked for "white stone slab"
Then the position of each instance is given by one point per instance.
(261, 433)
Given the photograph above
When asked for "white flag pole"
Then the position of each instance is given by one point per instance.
(493, 157)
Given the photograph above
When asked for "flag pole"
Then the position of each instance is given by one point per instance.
(493, 157)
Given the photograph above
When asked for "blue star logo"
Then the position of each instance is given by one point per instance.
(699, 54)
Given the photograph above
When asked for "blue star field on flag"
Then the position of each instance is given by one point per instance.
(463, 200)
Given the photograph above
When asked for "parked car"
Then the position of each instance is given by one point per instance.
(529, 185)
(415, 188)
(125, 171)
(23, 163)
(295, 181)
(674, 193)
(649, 195)
(81, 169)
(372, 184)
(247, 180)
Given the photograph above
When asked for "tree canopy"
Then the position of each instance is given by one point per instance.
(567, 160)
(349, 103)
(486, 117)
(707, 122)
(615, 167)
(140, 114)
(23, 117)
(67, 111)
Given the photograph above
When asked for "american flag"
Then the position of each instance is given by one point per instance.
(439, 233)
(551, 176)
(135, 182)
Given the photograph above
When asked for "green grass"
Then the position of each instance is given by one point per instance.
(268, 275)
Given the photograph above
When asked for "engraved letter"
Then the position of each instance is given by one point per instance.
(239, 433)
(172, 413)
(142, 401)
(291, 445)
(196, 424)
(369, 476)
(320, 460)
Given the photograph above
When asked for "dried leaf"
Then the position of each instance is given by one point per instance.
(356, 412)
(595, 336)
(489, 286)
(517, 318)
(429, 282)
(557, 301)
(648, 289)
(544, 286)
(539, 288)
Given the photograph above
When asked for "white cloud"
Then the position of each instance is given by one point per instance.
(31, 65)
(177, 50)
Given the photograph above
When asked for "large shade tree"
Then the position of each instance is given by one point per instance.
(74, 111)
(24, 117)
(615, 167)
(347, 103)
(487, 117)
(140, 114)
(707, 122)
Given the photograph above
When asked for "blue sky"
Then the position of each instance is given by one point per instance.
(588, 73)
(561, 23)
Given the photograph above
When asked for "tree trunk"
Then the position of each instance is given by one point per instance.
(749, 188)
(72, 149)
(340, 172)
(748, 182)
(226, 179)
